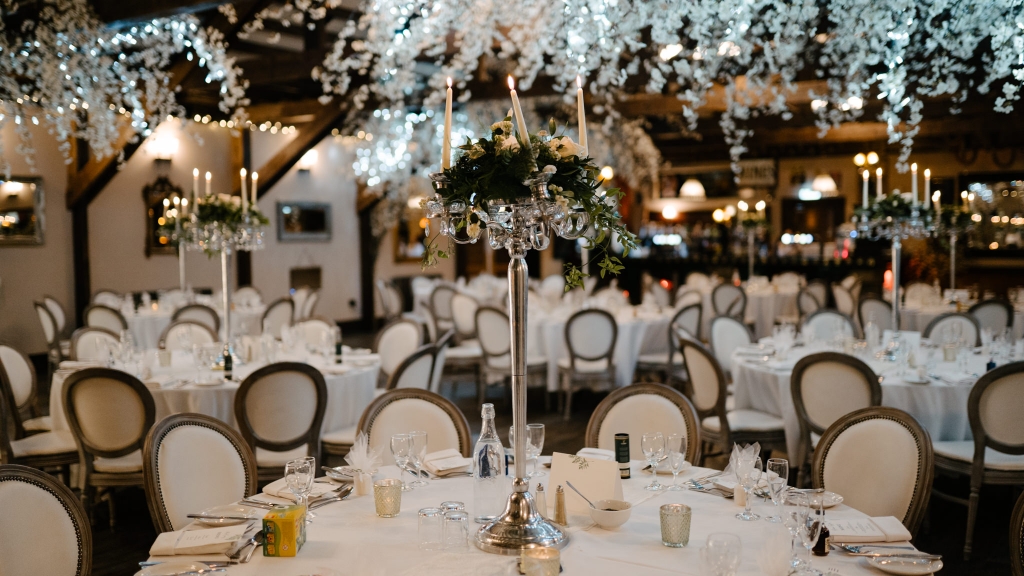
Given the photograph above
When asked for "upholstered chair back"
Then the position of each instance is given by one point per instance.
(395, 342)
(415, 371)
(969, 329)
(100, 316)
(877, 311)
(996, 315)
(826, 324)
(729, 300)
(405, 409)
(109, 411)
(278, 315)
(280, 407)
(184, 334)
(440, 356)
(464, 315)
(727, 334)
(590, 335)
(92, 343)
(641, 408)
(199, 313)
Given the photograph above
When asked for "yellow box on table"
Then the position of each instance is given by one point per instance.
(284, 531)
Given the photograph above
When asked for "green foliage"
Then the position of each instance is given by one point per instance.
(893, 207)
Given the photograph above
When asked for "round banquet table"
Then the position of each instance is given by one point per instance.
(940, 406)
(915, 318)
(348, 538)
(766, 304)
(146, 325)
(350, 389)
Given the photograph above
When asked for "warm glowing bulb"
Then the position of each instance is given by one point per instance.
(167, 202)
(607, 173)
(242, 172)
(669, 213)
(963, 194)
(511, 83)
(255, 177)
(760, 205)
(742, 205)
(718, 215)
(878, 172)
(913, 167)
(449, 81)
(872, 158)
(936, 196)
(860, 159)
(866, 175)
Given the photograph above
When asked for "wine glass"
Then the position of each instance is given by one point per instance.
(417, 454)
(808, 530)
(777, 472)
(401, 449)
(298, 475)
(748, 472)
(197, 359)
(535, 443)
(653, 446)
(721, 553)
(795, 509)
(675, 446)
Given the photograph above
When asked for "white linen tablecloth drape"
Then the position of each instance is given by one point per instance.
(348, 538)
(147, 325)
(916, 318)
(348, 394)
(767, 304)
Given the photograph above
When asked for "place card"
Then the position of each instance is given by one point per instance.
(880, 529)
(203, 541)
(597, 479)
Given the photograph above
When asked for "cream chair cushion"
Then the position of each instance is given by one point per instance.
(43, 444)
(401, 416)
(343, 436)
(125, 464)
(197, 468)
(37, 535)
(281, 406)
(874, 465)
(964, 451)
(584, 366)
(590, 335)
(745, 421)
(396, 343)
(110, 413)
(417, 374)
(465, 351)
(636, 415)
(727, 334)
(38, 424)
(831, 390)
(272, 459)
(703, 379)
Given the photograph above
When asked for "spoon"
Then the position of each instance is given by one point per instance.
(581, 495)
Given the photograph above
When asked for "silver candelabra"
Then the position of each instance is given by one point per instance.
(517, 226)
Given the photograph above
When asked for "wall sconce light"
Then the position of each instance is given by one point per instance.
(308, 160)
(163, 147)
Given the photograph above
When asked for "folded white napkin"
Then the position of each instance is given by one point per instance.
(157, 381)
(79, 364)
(222, 540)
(775, 555)
(447, 462)
(859, 530)
(597, 454)
(957, 378)
(787, 364)
(280, 489)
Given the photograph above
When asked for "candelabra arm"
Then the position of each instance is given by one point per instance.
(225, 259)
(952, 260)
(897, 246)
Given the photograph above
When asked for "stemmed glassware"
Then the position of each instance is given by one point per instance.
(748, 472)
(795, 509)
(777, 472)
(675, 446)
(417, 454)
(808, 529)
(721, 553)
(401, 449)
(535, 437)
(299, 474)
(653, 446)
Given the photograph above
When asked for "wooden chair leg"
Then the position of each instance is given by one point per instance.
(972, 516)
(568, 399)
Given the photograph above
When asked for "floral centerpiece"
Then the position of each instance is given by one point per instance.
(492, 176)
(893, 208)
(223, 221)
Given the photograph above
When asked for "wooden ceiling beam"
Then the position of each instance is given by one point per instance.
(661, 104)
(118, 12)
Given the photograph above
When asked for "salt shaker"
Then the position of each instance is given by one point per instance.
(560, 517)
(541, 501)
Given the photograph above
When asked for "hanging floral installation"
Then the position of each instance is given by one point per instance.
(60, 67)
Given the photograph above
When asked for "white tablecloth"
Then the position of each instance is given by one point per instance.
(916, 318)
(348, 394)
(940, 408)
(146, 325)
(348, 538)
(765, 305)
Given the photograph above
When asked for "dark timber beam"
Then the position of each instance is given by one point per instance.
(120, 12)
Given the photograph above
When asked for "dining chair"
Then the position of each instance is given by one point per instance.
(920, 293)
(107, 298)
(1017, 538)
(996, 315)
(441, 307)
(309, 305)
(19, 379)
(825, 387)
(440, 355)
(100, 316)
(399, 411)
(464, 317)
(390, 299)
(184, 334)
(729, 300)
(687, 296)
(109, 413)
(416, 371)
(996, 454)
(299, 296)
(552, 287)
(853, 284)
(590, 338)
(43, 450)
(192, 462)
(844, 300)
(659, 293)
(969, 329)
(728, 334)
(640, 408)
(198, 313)
(721, 428)
(395, 342)
(877, 311)
(880, 459)
(669, 362)
(826, 324)
(697, 279)
(45, 530)
(92, 344)
(279, 410)
(247, 296)
(60, 316)
(496, 354)
(56, 351)
(806, 302)
(820, 291)
(277, 315)
(314, 330)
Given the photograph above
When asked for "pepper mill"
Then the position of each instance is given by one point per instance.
(560, 507)
(541, 501)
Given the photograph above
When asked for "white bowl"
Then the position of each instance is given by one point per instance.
(611, 513)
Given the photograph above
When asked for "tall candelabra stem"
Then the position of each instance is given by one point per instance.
(750, 254)
(897, 245)
(952, 260)
(225, 286)
(181, 254)
(518, 279)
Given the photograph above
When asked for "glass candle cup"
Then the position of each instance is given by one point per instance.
(675, 525)
(456, 531)
(387, 496)
(540, 562)
(430, 531)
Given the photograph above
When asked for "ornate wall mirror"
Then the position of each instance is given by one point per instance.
(303, 222)
(158, 240)
(411, 233)
(21, 211)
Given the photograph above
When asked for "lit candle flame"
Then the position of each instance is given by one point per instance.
(255, 175)
(579, 83)
(449, 81)
(195, 172)
(927, 172)
(867, 174)
(242, 172)
(913, 167)
(511, 83)
(209, 176)
(878, 172)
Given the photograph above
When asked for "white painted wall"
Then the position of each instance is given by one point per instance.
(29, 272)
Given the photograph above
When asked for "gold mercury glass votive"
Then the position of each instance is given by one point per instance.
(675, 525)
(387, 495)
(540, 562)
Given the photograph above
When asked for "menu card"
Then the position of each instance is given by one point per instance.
(447, 462)
(880, 529)
(202, 541)
(597, 479)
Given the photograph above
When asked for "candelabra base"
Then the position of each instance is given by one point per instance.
(519, 528)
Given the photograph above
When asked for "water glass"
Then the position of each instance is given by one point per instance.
(535, 437)
(675, 525)
(748, 472)
(456, 531)
(808, 530)
(453, 506)
(653, 446)
(777, 472)
(430, 532)
(387, 497)
(721, 554)
(541, 562)
(298, 475)
(417, 454)
(795, 510)
(675, 446)
(401, 450)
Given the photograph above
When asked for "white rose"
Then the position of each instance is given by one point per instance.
(565, 147)
(473, 229)
(549, 169)
(509, 144)
(563, 202)
(504, 126)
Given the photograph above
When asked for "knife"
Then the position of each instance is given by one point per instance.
(213, 517)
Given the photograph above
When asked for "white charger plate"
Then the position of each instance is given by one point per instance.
(229, 510)
(906, 566)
